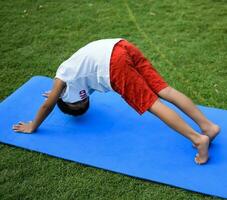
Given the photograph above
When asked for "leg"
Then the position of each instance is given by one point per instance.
(173, 120)
(187, 106)
(134, 81)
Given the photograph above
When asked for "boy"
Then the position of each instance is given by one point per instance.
(116, 64)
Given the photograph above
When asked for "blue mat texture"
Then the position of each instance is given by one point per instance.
(112, 136)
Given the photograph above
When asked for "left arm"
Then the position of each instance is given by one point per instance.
(44, 110)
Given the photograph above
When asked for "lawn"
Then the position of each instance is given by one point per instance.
(186, 41)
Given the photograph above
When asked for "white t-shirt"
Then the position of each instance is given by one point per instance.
(87, 70)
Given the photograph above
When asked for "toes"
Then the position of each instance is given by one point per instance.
(199, 161)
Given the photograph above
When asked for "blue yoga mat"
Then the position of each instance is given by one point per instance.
(112, 136)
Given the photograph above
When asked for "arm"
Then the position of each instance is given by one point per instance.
(44, 110)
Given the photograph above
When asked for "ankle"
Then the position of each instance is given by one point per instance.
(200, 139)
(197, 141)
(206, 126)
(195, 138)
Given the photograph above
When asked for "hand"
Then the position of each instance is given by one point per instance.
(46, 94)
(23, 127)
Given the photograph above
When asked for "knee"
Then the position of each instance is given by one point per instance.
(155, 105)
(166, 92)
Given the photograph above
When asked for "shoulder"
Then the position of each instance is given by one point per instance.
(59, 84)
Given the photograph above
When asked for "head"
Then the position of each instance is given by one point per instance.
(75, 109)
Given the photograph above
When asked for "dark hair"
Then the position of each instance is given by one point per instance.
(83, 106)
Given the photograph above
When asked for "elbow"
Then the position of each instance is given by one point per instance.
(47, 107)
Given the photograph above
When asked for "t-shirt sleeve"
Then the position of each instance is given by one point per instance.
(63, 73)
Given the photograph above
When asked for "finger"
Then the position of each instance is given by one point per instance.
(21, 123)
(47, 92)
(17, 129)
(45, 95)
(16, 126)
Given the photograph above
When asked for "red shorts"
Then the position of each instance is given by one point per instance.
(134, 77)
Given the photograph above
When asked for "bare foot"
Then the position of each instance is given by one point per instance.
(211, 131)
(202, 145)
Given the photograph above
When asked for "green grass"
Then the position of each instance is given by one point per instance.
(186, 40)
